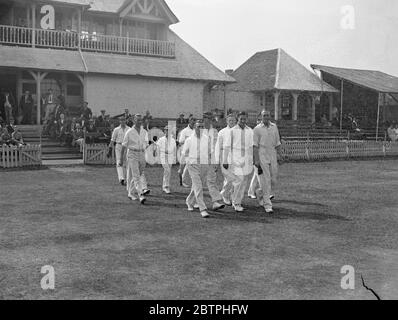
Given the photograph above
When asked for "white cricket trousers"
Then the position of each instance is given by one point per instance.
(166, 175)
(198, 173)
(268, 179)
(254, 184)
(239, 187)
(229, 179)
(136, 172)
(121, 171)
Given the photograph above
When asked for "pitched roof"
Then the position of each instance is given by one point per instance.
(374, 80)
(110, 6)
(161, 3)
(188, 64)
(276, 70)
(73, 2)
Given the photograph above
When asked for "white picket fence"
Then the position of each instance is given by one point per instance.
(329, 150)
(291, 151)
(17, 157)
(97, 154)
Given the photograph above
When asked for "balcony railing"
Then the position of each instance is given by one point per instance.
(29, 37)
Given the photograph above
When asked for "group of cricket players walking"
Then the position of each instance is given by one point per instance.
(242, 154)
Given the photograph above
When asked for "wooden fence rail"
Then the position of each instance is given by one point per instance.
(17, 157)
(291, 150)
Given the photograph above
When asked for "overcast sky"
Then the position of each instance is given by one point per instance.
(228, 32)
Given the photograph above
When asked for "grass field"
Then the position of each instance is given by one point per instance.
(102, 246)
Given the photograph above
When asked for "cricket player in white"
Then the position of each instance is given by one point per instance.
(266, 148)
(255, 182)
(135, 143)
(223, 149)
(167, 150)
(116, 143)
(242, 159)
(183, 136)
(197, 154)
(214, 164)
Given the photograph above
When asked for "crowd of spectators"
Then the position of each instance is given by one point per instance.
(10, 135)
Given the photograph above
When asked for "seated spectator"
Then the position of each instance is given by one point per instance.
(5, 137)
(78, 137)
(90, 128)
(324, 121)
(63, 131)
(73, 124)
(392, 132)
(17, 138)
(336, 123)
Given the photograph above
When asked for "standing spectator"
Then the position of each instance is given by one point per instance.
(86, 113)
(2, 102)
(59, 109)
(63, 130)
(181, 120)
(26, 106)
(61, 100)
(148, 116)
(9, 104)
(49, 103)
(101, 120)
(147, 121)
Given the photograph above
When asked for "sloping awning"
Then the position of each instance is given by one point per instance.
(373, 80)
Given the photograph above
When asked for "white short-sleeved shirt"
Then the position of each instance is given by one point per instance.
(119, 133)
(167, 149)
(134, 141)
(267, 139)
(196, 150)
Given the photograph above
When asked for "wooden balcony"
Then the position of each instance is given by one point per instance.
(66, 40)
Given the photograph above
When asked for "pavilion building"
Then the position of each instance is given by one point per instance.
(275, 81)
(115, 54)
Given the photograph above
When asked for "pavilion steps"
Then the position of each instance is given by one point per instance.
(51, 149)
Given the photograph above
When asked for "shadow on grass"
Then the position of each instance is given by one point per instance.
(256, 214)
